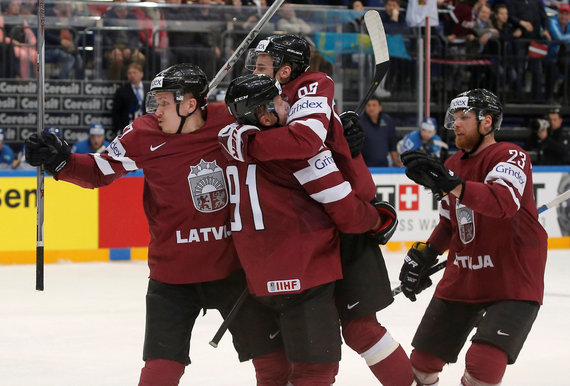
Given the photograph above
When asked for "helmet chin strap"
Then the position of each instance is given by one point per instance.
(183, 118)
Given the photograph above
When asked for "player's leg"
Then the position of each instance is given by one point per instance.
(310, 331)
(499, 338)
(440, 336)
(254, 330)
(363, 291)
(171, 311)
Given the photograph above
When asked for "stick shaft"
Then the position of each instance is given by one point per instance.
(40, 128)
(231, 316)
(226, 68)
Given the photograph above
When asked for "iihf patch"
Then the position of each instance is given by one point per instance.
(208, 187)
(284, 285)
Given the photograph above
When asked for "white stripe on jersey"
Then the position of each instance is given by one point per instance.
(103, 164)
(316, 126)
(319, 166)
(509, 175)
(513, 195)
(444, 212)
(128, 163)
(336, 193)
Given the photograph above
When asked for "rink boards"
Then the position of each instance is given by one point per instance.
(109, 223)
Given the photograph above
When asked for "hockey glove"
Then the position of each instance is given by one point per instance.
(430, 172)
(47, 150)
(353, 132)
(414, 273)
(233, 139)
(389, 222)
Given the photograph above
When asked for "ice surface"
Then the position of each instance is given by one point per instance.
(87, 328)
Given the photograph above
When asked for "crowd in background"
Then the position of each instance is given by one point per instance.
(518, 47)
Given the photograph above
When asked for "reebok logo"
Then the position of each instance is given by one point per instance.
(153, 148)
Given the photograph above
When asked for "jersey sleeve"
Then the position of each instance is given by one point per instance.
(307, 125)
(96, 170)
(500, 195)
(324, 183)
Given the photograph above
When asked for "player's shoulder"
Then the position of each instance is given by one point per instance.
(505, 149)
(218, 115)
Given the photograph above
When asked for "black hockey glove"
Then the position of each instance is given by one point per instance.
(353, 132)
(47, 150)
(389, 222)
(413, 275)
(429, 172)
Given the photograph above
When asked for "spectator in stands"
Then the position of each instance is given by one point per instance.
(121, 47)
(401, 69)
(153, 34)
(356, 25)
(506, 68)
(458, 29)
(557, 58)
(380, 144)
(95, 143)
(290, 23)
(129, 101)
(425, 139)
(60, 48)
(486, 43)
(197, 47)
(554, 142)
(9, 63)
(530, 17)
(19, 34)
(6, 153)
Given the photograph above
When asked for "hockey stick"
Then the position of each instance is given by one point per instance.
(231, 316)
(243, 46)
(380, 47)
(550, 204)
(40, 171)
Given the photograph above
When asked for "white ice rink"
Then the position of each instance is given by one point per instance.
(86, 328)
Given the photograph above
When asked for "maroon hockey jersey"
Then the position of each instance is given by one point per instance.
(286, 242)
(497, 247)
(185, 195)
(313, 123)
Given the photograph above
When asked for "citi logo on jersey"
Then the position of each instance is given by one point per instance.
(283, 285)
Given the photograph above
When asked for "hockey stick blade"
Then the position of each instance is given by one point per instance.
(381, 56)
(550, 204)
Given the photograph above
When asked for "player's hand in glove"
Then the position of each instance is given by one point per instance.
(233, 139)
(388, 222)
(353, 132)
(414, 273)
(47, 150)
(429, 172)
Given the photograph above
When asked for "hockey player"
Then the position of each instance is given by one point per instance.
(193, 263)
(494, 279)
(313, 122)
(288, 210)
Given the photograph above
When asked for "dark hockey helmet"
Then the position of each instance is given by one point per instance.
(179, 79)
(283, 48)
(483, 102)
(249, 92)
